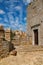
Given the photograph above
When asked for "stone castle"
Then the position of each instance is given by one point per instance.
(9, 39)
(35, 22)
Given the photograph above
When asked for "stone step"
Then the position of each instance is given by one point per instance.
(29, 48)
(4, 54)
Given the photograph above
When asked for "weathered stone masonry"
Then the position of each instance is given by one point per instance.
(35, 22)
(4, 45)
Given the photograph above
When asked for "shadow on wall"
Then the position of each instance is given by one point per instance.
(11, 46)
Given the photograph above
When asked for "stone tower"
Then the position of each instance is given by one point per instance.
(4, 45)
(1, 33)
(8, 34)
(35, 22)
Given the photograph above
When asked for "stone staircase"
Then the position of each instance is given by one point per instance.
(29, 48)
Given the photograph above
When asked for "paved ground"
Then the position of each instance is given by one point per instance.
(24, 58)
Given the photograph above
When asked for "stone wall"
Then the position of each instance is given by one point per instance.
(41, 30)
(19, 38)
(8, 37)
(4, 49)
(4, 45)
(8, 34)
(35, 19)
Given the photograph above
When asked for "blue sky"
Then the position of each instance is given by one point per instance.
(13, 14)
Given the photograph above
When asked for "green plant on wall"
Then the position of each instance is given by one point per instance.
(12, 35)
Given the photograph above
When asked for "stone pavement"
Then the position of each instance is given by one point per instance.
(25, 58)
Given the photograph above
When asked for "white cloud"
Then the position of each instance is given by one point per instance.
(0, 18)
(11, 19)
(3, 24)
(1, 0)
(14, 23)
(25, 19)
(18, 7)
(6, 20)
(2, 12)
(14, 0)
(17, 19)
(21, 29)
(27, 1)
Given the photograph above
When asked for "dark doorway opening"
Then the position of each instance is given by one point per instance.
(36, 37)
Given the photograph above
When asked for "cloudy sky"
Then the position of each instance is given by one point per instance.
(13, 14)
